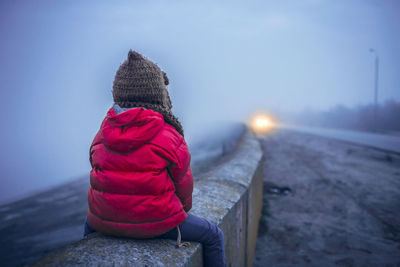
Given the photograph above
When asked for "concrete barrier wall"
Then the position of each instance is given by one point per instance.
(230, 195)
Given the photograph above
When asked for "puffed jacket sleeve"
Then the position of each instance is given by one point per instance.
(181, 174)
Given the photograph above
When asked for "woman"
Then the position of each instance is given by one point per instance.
(141, 181)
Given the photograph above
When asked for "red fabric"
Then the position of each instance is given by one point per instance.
(141, 183)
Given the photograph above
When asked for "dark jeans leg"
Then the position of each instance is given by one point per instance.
(210, 235)
(88, 229)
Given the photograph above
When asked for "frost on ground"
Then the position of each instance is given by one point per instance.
(212, 143)
(328, 203)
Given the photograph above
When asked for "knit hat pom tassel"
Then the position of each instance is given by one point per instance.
(166, 80)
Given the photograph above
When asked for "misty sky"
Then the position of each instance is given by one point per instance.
(224, 61)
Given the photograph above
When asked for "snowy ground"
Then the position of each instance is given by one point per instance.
(210, 145)
(36, 225)
(328, 203)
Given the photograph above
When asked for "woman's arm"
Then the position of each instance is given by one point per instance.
(182, 177)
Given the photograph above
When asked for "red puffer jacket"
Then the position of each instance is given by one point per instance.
(141, 183)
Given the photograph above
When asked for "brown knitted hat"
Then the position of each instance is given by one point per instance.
(141, 83)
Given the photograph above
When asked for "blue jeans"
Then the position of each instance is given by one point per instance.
(196, 229)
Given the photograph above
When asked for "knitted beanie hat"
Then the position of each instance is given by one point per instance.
(141, 83)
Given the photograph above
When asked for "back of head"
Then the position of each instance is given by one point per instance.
(141, 83)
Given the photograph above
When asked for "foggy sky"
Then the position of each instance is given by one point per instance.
(224, 61)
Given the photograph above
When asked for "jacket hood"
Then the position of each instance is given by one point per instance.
(130, 129)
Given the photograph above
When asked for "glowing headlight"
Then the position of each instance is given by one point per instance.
(261, 123)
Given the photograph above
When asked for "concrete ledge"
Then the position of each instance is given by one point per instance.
(230, 195)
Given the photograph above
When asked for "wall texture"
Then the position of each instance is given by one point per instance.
(229, 195)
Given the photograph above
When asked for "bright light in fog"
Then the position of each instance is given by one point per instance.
(262, 123)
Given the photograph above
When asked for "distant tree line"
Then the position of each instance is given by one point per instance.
(363, 118)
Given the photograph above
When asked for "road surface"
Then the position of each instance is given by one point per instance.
(375, 140)
(328, 203)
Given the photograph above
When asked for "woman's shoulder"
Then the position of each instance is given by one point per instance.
(171, 145)
(168, 135)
